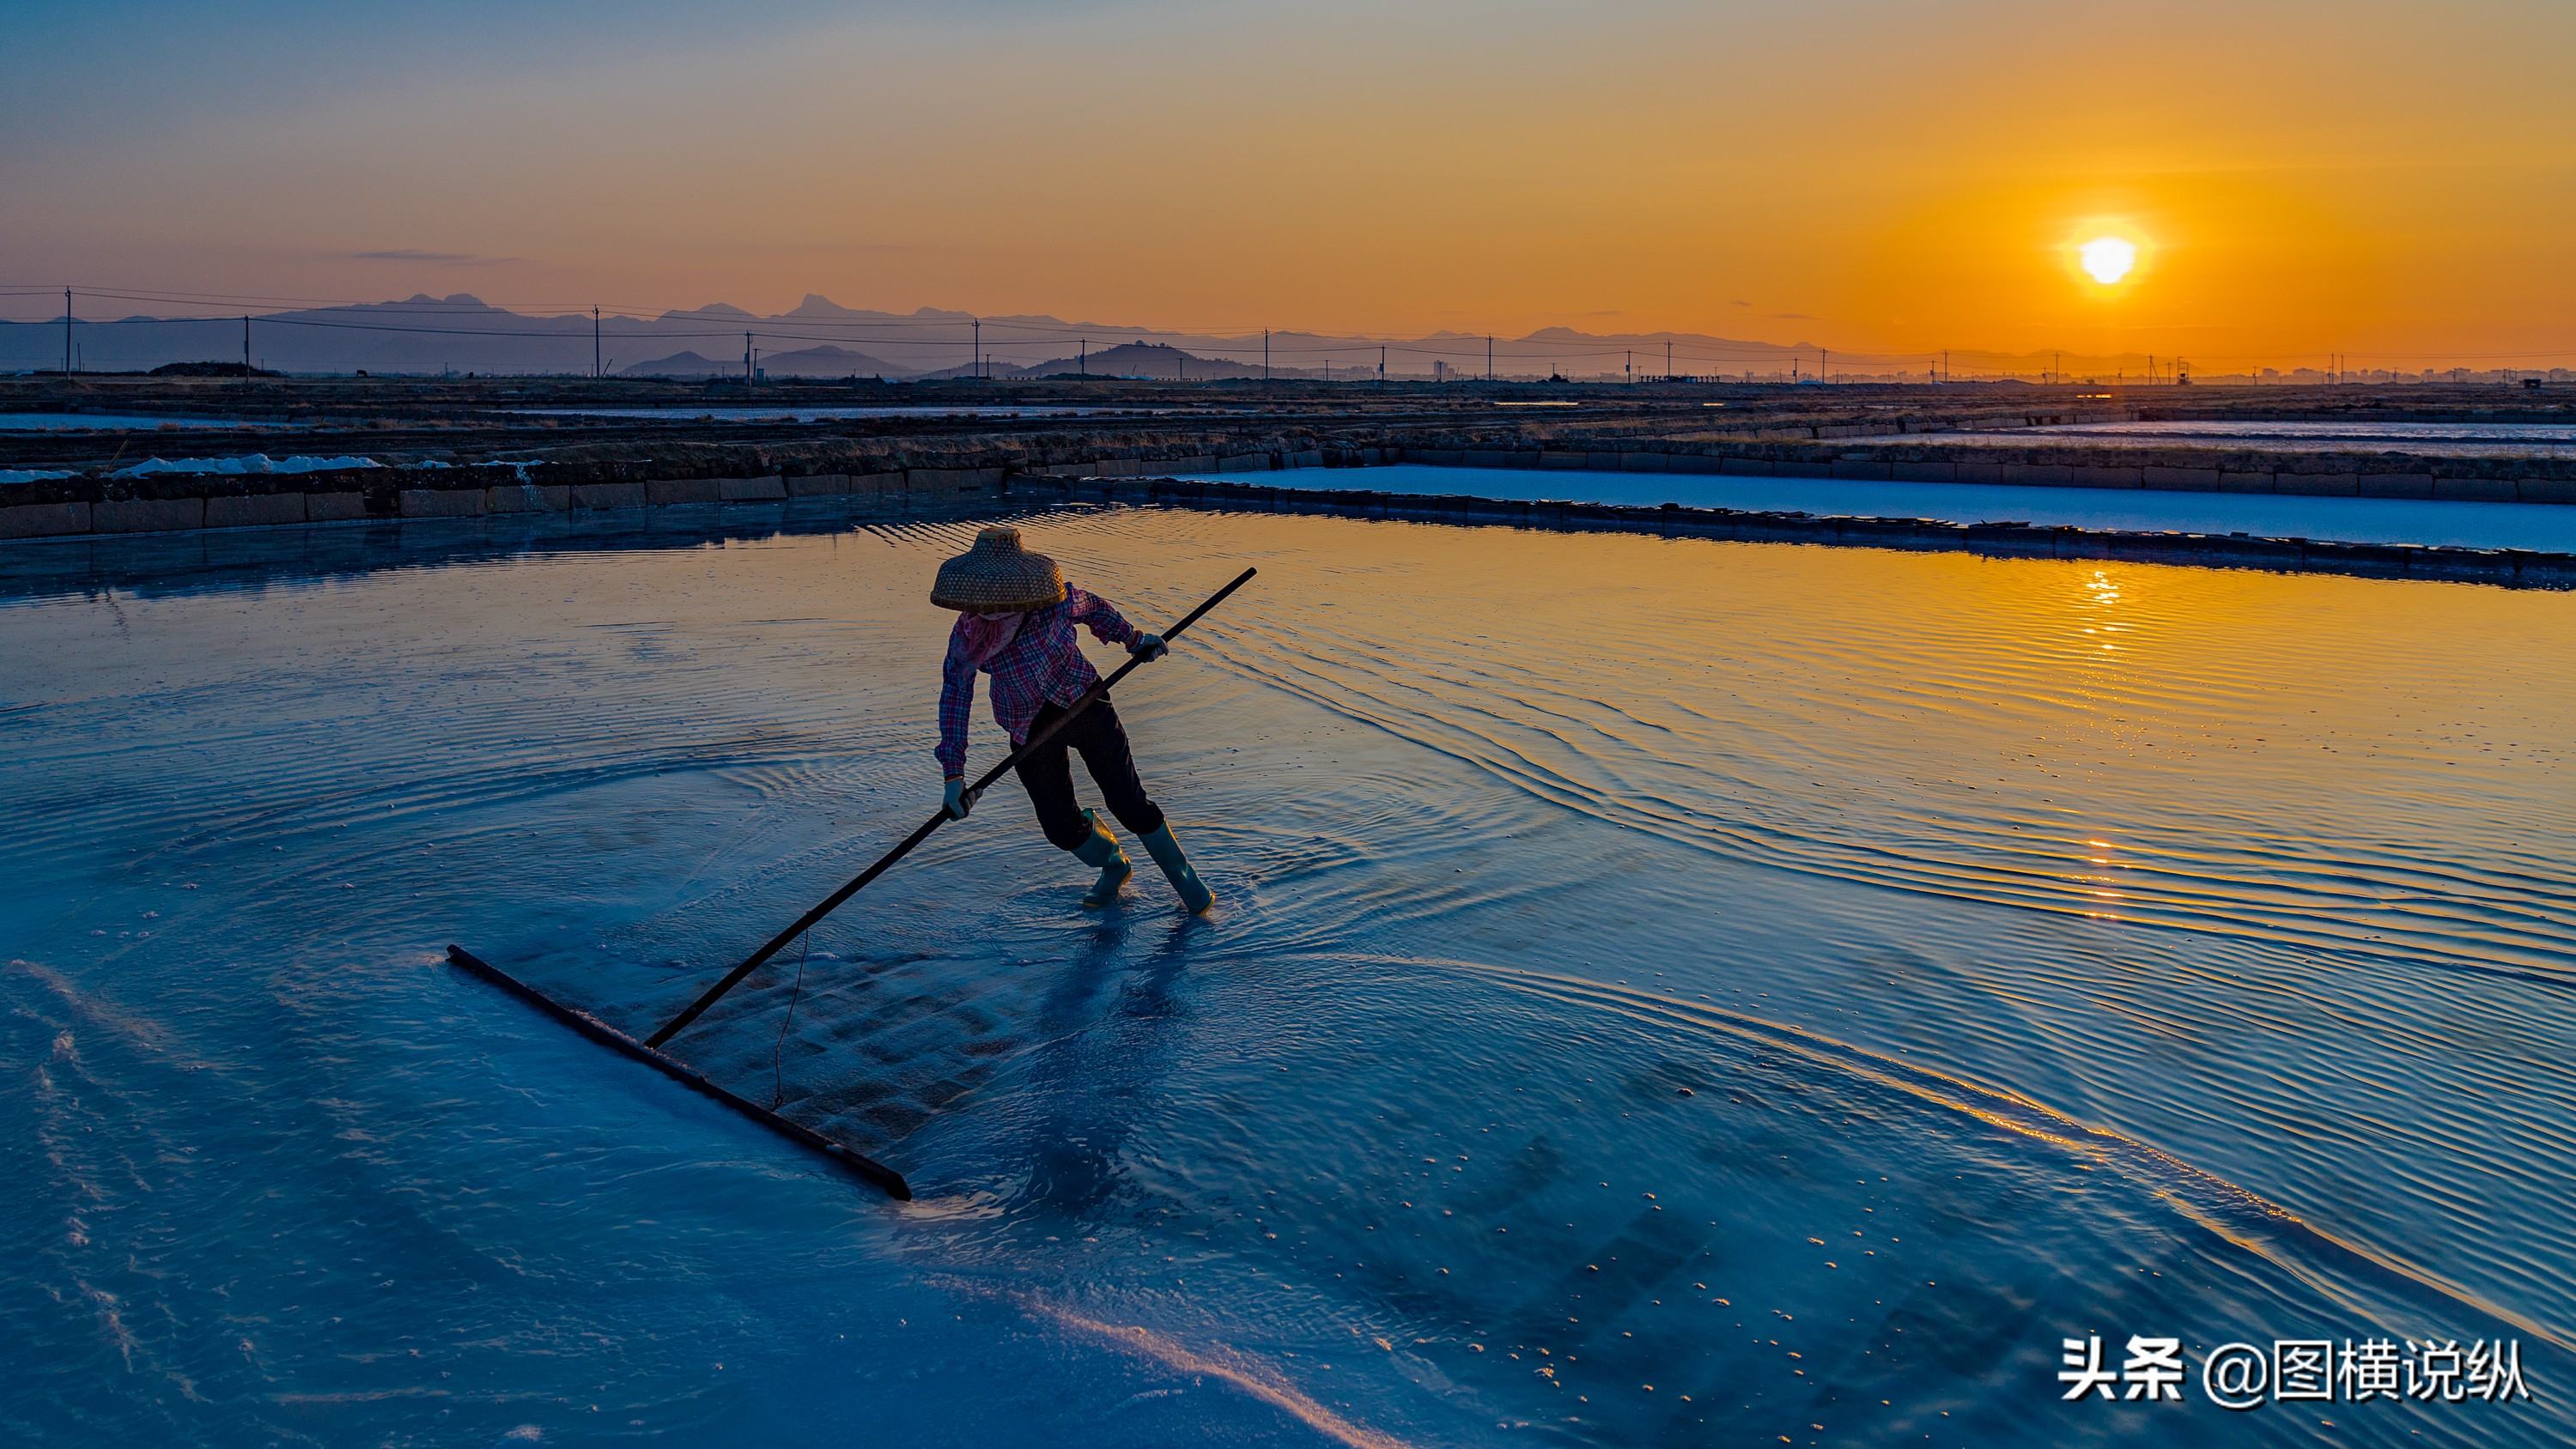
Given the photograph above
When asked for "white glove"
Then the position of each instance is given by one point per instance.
(957, 800)
(1148, 647)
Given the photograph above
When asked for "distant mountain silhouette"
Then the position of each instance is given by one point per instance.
(1156, 361)
(821, 338)
(682, 364)
(829, 361)
(825, 361)
(1141, 359)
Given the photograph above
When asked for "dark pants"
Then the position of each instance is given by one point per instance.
(1103, 743)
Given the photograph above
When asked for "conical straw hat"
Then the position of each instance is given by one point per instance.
(997, 576)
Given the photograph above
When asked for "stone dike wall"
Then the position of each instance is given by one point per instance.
(173, 502)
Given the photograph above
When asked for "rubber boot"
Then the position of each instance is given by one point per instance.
(1167, 854)
(1100, 849)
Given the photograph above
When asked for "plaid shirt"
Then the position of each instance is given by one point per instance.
(1041, 663)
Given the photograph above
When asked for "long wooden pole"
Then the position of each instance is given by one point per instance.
(922, 831)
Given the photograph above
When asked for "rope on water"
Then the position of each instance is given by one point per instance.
(777, 1087)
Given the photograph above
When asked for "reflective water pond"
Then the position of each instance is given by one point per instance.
(1661, 991)
(2545, 526)
(2456, 440)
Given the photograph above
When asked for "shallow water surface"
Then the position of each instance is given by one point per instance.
(1661, 992)
(2453, 440)
(2546, 526)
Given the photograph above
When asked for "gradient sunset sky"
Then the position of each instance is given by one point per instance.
(2393, 182)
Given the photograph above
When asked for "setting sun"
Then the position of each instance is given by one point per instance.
(2107, 259)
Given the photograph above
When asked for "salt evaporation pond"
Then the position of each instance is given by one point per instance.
(2342, 435)
(2550, 527)
(1662, 992)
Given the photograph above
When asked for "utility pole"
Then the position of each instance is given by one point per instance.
(1082, 362)
(1381, 366)
(746, 359)
(1632, 367)
(979, 349)
(67, 333)
(1489, 357)
(245, 342)
(1668, 359)
(595, 369)
(1820, 364)
(1265, 356)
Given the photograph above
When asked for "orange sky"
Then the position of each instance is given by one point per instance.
(2392, 182)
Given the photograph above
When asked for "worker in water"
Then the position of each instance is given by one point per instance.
(1015, 618)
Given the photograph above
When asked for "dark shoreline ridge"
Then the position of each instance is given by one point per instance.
(198, 503)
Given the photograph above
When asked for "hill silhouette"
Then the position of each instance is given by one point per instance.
(829, 361)
(461, 332)
(682, 364)
(1158, 361)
